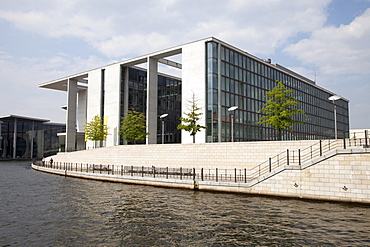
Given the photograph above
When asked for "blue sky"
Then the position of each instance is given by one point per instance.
(42, 40)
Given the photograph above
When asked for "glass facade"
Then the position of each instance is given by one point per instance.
(169, 101)
(236, 79)
(34, 139)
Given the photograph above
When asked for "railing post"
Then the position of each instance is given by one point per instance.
(112, 169)
(259, 170)
(142, 171)
(121, 170)
(287, 156)
(269, 164)
(194, 174)
(299, 156)
(366, 138)
(132, 171)
(201, 174)
(180, 173)
(216, 174)
(320, 148)
(154, 172)
(245, 175)
(235, 174)
(167, 172)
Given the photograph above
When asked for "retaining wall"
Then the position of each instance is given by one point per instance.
(207, 155)
(343, 176)
(340, 175)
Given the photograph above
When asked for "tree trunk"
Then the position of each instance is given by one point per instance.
(193, 138)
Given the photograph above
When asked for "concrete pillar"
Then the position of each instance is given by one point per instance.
(82, 110)
(125, 90)
(152, 101)
(1, 137)
(32, 138)
(125, 93)
(15, 138)
(71, 115)
(40, 140)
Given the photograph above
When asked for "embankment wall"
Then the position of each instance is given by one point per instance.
(340, 175)
(344, 176)
(205, 155)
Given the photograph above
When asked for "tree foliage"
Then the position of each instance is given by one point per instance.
(133, 127)
(96, 130)
(280, 109)
(190, 123)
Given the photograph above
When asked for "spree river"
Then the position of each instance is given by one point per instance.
(40, 209)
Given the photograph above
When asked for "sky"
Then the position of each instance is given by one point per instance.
(43, 40)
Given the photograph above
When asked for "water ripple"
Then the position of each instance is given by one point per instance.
(39, 209)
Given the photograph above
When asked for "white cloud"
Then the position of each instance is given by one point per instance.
(136, 43)
(119, 27)
(337, 50)
(19, 82)
(57, 24)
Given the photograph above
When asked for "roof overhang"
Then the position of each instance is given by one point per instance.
(12, 117)
(62, 84)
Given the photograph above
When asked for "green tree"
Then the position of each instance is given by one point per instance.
(190, 123)
(280, 109)
(96, 130)
(133, 127)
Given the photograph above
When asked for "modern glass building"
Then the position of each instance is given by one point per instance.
(219, 75)
(28, 138)
(169, 102)
(235, 78)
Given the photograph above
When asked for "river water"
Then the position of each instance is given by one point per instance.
(40, 209)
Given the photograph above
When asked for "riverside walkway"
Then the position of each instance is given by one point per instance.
(188, 178)
(326, 170)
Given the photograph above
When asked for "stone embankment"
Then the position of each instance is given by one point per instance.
(325, 170)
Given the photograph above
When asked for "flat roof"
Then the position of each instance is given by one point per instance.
(10, 117)
(25, 118)
(61, 84)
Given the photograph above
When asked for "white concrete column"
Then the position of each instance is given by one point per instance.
(194, 81)
(152, 101)
(82, 110)
(125, 90)
(125, 93)
(71, 115)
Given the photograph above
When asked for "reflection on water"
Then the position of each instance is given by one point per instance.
(39, 209)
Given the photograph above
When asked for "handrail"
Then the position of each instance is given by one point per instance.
(301, 156)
